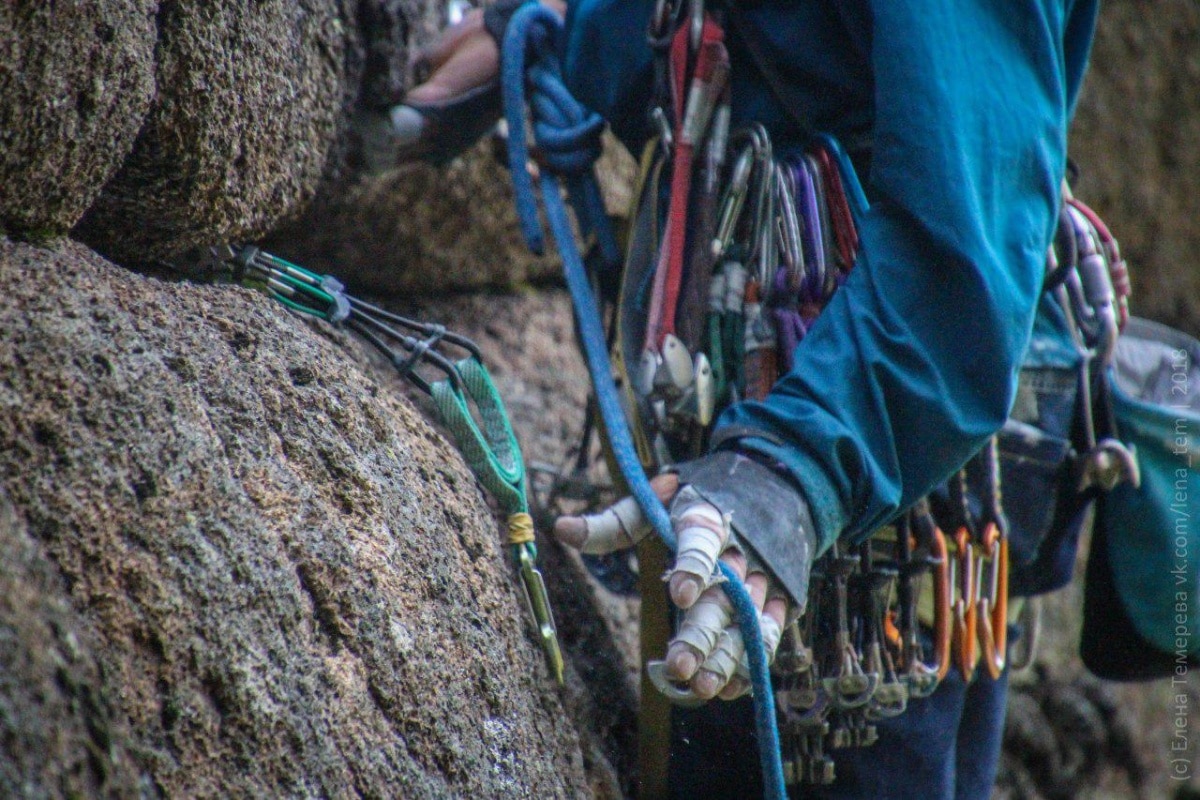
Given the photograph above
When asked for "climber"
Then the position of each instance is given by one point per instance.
(956, 118)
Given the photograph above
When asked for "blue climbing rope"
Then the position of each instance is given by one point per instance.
(568, 139)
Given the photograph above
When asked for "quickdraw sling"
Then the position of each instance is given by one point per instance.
(465, 398)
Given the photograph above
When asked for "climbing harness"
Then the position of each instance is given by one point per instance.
(465, 397)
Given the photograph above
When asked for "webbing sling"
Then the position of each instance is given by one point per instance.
(488, 445)
(559, 121)
(693, 109)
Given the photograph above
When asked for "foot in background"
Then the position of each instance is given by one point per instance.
(455, 104)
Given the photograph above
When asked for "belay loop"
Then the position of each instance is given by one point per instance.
(527, 50)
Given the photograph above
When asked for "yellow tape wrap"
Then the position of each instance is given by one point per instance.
(520, 528)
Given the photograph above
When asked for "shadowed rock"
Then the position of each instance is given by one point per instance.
(1137, 140)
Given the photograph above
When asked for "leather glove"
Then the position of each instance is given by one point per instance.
(729, 507)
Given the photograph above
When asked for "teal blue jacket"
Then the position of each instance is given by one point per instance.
(914, 363)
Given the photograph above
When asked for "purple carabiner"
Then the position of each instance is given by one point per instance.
(814, 243)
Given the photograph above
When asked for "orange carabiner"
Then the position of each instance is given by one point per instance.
(993, 605)
(965, 609)
(942, 622)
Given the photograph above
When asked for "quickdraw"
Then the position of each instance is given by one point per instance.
(963, 579)
(979, 567)
(921, 550)
(992, 605)
(466, 391)
(1091, 283)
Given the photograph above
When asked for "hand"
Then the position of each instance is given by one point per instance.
(707, 652)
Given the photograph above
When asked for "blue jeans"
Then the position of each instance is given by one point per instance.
(945, 747)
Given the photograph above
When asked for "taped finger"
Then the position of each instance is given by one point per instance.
(770, 622)
(702, 533)
(721, 665)
(756, 584)
(619, 526)
(736, 687)
(699, 634)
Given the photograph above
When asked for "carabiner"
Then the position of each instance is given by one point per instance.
(789, 228)
(942, 620)
(696, 20)
(1090, 287)
(1118, 271)
(965, 609)
(760, 177)
(732, 203)
(917, 533)
(993, 604)
(538, 602)
(660, 21)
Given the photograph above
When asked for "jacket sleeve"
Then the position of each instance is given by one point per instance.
(913, 364)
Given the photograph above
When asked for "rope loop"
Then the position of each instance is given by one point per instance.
(566, 133)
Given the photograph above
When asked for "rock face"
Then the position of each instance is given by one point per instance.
(1137, 141)
(427, 230)
(418, 229)
(528, 341)
(76, 80)
(177, 124)
(246, 109)
(288, 583)
(58, 735)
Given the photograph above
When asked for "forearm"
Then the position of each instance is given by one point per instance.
(913, 364)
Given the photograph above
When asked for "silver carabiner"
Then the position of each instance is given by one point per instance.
(678, 695)
(789, 226)
(696, 15)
